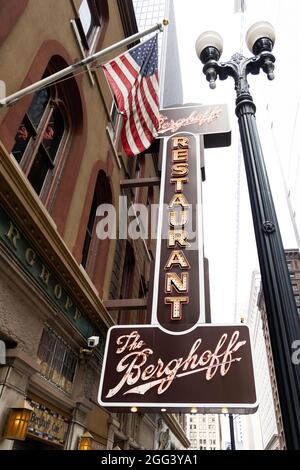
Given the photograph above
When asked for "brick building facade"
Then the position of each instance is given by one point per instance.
(60, 160)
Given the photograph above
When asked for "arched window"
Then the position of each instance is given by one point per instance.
(102, 195)
(93, 15)
(41, 137)
(150, 199)
(126, 290)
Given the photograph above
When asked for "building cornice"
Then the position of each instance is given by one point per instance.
(177, 430)
(27, 211)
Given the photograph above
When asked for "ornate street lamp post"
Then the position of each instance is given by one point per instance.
(283, 320)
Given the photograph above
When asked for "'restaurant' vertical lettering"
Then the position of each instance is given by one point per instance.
(178, 217)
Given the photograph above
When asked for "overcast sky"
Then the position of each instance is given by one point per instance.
(277, 110)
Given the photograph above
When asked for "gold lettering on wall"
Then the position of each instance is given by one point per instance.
(57, 291)
(30, 256)
(45, 275)
(13, 235)
(77, 314)
(68, 303)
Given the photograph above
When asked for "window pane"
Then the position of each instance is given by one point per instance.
(53, 133)
(89, 232)
(45, 352)
(69, 364)
(58, 362)
(86, 18)
(39, 170)
(38, 106)
(22, 139)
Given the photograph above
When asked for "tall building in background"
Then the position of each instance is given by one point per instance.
(293, 263)
(149, 12)
(264, 429)
(204, 431)
(260, 430)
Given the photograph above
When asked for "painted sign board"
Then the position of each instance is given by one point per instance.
(208, 368)
(178, 287)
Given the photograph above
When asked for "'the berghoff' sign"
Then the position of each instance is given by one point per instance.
(209, 367)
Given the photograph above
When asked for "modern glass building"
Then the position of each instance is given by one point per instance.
(149, 12)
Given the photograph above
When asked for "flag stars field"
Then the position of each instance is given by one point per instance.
(133, 77)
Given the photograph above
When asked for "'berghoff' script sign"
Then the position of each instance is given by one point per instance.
(198, 118)
(210, 121)
(135, 363)
(212, 364)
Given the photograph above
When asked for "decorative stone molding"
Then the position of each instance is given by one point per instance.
(29, 213)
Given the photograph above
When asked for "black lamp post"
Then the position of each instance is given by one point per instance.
(283, 320)
(231, 428)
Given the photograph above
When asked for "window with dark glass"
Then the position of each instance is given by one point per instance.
(39, 138)
(114, 115)
(128, 272)
(143, 294)
(56, 359)
(89, 231)
(86, 18)
(127, 281)
(102, 195)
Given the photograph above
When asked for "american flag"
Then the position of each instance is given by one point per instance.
(133, 77)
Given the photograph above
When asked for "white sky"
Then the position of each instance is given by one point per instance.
(283, 97)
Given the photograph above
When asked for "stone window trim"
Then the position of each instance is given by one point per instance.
(39, 139)
(63, 189)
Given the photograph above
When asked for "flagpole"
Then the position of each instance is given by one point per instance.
(11, 99)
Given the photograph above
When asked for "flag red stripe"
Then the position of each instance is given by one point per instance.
(152, 90)
(148, 107)
(125, 143)
(129, 66)
(143, 122)
(117, 92)
(121, 76)
(127, 130)
(130, 76)
(134, 131)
